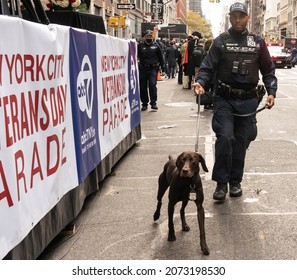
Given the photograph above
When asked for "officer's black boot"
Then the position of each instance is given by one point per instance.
(144, 107)
(220, 192)
(235, 190)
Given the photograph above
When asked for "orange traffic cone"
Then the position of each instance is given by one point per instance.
(159, 76)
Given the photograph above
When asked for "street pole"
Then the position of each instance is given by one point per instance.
(156, 18)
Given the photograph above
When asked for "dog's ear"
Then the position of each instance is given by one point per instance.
(202, 161)
(179, 161)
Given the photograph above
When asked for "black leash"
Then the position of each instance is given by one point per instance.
(233, 114)
(198, 125)
(250, 114)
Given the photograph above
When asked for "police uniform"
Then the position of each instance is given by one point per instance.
(235, 58)
(150, 60)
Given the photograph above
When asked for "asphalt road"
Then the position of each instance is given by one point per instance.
(117, 222)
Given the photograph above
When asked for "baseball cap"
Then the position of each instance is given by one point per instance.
(148, 32)
(238, 7)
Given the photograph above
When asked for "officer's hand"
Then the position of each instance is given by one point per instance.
(198, 89)
(269, 102)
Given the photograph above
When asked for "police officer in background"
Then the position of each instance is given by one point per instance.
(150, 60)
(235, 57)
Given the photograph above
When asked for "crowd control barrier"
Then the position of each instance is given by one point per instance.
(69, 110)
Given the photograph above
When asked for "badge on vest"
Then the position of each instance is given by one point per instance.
(251, 41)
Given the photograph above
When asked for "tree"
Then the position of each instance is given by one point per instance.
(196, 22)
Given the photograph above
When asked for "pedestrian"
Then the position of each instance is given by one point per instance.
(179, 63)
(183, 47)
(171, 58)
(211, 85)
(235, 57)
(190, 67)
(294, 56)
(150, 60)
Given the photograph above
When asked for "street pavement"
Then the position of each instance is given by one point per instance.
(116, 223)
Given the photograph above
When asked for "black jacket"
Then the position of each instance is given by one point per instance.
(150, 54)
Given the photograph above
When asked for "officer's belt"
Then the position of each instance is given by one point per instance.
(229, 92)
(149, 66)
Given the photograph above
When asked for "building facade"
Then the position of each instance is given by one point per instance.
(130, 14)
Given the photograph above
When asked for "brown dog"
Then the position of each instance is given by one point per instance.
(184, 180)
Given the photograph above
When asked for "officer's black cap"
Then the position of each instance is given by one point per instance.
(238, 7)
(148, 32)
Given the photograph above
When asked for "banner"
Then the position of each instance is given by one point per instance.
(114, 110)
(36, 133)
(68, 97)
(133, 79)
(84, 100)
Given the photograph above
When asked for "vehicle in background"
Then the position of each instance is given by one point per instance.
(280, 58)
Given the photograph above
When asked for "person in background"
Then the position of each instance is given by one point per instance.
(150, 59)
(179, 63)
(184, 61)
(294, 56)
(189, 65)
(211, 85)
(235, 58)
(171, 57)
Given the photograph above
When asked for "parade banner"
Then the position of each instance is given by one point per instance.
(68, 97)
(133, 79)
(84, 100)
(114, 110)
(36, 134)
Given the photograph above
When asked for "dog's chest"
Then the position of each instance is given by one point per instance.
(180, 191)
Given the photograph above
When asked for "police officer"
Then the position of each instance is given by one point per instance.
(150, 60)
(235, 57)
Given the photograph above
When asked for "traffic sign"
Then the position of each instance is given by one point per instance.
(126, 6)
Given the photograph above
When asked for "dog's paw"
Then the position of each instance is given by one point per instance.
(186, 228)
(156, 216)
(171, 237)
(205, 250)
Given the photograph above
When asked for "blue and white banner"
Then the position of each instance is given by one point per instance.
(133, 81)
(84, 98)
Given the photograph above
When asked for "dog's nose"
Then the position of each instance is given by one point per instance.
(186, 167)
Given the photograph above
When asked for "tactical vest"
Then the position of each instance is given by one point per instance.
(239, 62)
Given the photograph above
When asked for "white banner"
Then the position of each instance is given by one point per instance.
(37, 152)
(113, 92)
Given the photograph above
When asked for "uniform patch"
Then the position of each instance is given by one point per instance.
(251, 41)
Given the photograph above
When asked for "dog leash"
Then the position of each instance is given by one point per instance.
(198, 125)
(233, 114)
(250, 114)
